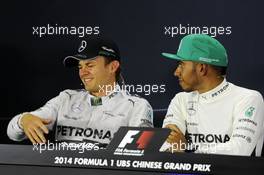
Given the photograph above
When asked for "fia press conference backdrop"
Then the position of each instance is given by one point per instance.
(37, 35)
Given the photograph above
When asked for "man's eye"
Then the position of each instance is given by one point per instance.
(89, 65)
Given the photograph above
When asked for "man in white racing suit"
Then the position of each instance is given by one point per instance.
(92, 114)
(214, 115)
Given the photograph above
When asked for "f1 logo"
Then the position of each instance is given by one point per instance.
(142, 141)
(82, 46)
(128, 138)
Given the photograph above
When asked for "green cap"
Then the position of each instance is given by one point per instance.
(200, 48)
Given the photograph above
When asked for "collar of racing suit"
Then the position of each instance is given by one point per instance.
(97, 101)
(214, 93)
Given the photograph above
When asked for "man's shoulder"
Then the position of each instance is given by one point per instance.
(134, 98)
(72, 92)
(183, 95)
(245, 92)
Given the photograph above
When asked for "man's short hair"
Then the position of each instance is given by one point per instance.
(220, 69)
(118, 71)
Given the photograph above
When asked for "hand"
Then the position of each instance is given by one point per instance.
(176, 139)
(34, 127)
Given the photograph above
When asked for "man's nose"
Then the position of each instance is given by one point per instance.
(83, 71)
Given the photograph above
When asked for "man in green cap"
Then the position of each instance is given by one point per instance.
(214, 115)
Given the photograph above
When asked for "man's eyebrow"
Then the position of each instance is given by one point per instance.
(90, 62)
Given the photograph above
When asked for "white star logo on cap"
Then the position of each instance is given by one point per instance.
(82, 46)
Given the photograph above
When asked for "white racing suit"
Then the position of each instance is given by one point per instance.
(225, 120)
(79, 116)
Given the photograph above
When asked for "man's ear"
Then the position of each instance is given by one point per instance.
(203, 69)
(114, 66)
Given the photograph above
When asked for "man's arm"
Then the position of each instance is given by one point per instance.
(175, 114)
(247, 129)
(175, 121)
(141, 114)
(33, 124)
